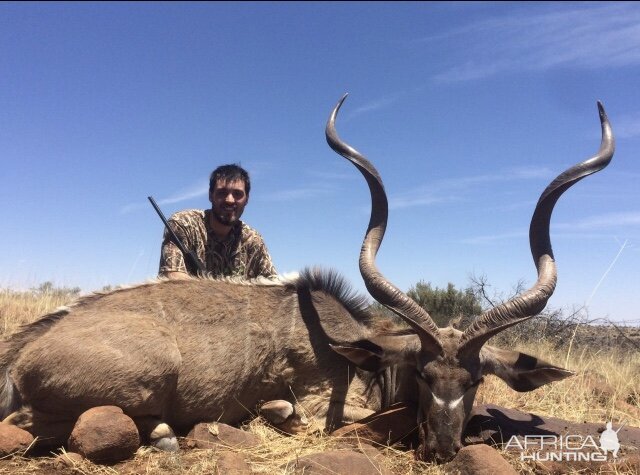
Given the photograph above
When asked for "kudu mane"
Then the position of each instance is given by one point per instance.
(334, 284)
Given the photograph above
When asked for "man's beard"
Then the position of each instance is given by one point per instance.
(227, 219)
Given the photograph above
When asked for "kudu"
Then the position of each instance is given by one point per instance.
(185, 351)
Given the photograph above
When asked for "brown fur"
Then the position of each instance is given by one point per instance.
(187, 351)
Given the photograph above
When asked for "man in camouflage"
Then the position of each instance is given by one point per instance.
(226, 245)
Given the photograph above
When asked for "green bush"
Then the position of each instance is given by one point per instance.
(445, 304)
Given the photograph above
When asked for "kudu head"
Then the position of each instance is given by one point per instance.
(449, 364)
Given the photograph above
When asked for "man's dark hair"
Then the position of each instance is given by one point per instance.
(227, 173)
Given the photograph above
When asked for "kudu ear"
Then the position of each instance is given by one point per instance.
(376, 353)
(361, 357)
(520, 371)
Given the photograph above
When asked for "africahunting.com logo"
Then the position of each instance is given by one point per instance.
(569, 448)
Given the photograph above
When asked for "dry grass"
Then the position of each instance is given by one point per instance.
(18, 308)
(606, 387)
(580, 398)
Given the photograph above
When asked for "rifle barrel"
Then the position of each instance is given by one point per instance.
(200, 267)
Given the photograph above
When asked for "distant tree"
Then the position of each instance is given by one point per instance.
(49, 288)
(562, 327)
(445, 304)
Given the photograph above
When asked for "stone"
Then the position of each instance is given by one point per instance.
(67, 460)
(13, 440)
(339, 462)
(103, 410)
(479, 460)
(495, 425)
(104, 435)
(232, 463)
(211, 435)
(628, 464)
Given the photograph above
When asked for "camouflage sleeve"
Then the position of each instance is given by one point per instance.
(260, 263)
(171, 258)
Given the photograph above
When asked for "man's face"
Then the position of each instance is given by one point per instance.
(228, 199)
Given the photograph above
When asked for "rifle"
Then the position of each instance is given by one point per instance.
(196, 264)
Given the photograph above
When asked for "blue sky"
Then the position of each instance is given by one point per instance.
(467, 110)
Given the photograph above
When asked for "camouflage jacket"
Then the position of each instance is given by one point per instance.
(241, 254)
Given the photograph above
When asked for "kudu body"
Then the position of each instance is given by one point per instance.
(197, 350)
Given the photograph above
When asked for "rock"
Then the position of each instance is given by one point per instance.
(495, 425)
(104, 435)
(339, 462)
(210, 435)
(67, 460)
(232, 463)
(630, 464)
(479, 460)
(394, 424)
(104, 410)
(13, 440)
